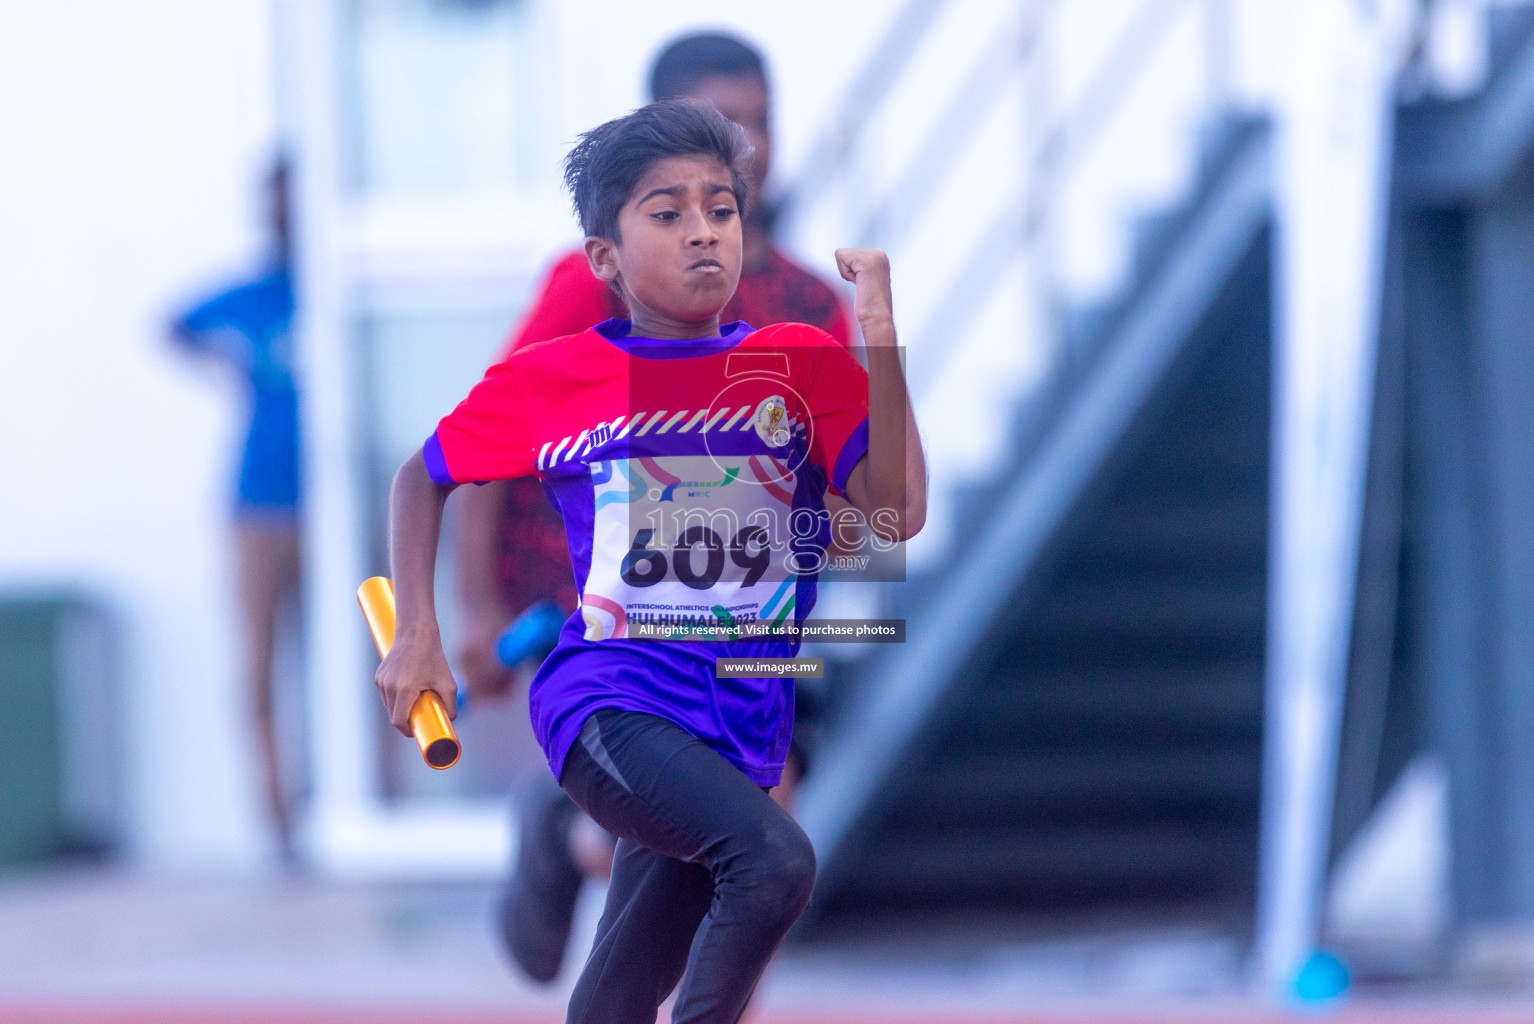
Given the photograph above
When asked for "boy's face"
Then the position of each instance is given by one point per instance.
(679, 260)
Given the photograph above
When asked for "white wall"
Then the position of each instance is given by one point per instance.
(134, 136)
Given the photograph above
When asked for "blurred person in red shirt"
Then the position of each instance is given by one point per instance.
(510, 552)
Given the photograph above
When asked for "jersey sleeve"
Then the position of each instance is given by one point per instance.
(487, 436)
(569, 300)
(220, 326)
(837, 394)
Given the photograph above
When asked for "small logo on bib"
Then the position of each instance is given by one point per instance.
(772, 421)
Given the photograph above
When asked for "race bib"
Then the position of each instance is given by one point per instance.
(701, 546)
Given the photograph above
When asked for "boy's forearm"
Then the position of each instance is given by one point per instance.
(415, 524)
(896, 475)
(889, 485)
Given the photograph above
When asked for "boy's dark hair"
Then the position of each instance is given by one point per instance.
(608, 161)
(692, 58)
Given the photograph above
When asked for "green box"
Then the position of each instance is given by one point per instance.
(58, 772)
(31, 747)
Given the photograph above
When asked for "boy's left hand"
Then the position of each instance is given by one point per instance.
(869, 271)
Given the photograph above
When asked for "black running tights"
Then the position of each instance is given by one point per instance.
(708, 877)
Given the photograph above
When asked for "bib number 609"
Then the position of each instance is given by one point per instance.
(644, 566)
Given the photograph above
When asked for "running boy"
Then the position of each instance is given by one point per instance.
(511, 543)
(659, 436)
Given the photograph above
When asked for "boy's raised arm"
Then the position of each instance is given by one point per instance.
(892, 478)
(416, 662)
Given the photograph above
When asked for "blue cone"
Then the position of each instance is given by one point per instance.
(1322, 979)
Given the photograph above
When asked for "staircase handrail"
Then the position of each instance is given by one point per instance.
(1065, 143)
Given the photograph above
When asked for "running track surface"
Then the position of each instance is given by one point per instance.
(108, 1015)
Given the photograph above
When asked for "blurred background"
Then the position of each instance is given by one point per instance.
(1217, 701)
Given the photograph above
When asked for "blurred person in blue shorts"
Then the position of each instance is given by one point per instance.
(247, 327)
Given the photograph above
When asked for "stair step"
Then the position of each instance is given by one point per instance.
(1122, 784)
(1509, 30)
(1224, 531)
(1082, 328)
(1221, 140)
(1205, 489)
(970, 863)
(1169, 652)
(1154, 236)
(1134, 505)
(1129, 560)
(1018, 704)
(974, 506)
(1187, 535)
(1230, 445)
(1226, 448)
(1149, 611)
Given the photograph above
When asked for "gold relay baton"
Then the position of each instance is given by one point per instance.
(429, 723)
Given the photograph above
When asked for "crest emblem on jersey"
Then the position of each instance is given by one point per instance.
(771, 421)
(601, 435)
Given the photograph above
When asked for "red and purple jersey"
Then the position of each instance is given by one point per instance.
(690, 476)
(571, 299)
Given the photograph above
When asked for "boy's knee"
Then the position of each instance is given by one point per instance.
(785, 869)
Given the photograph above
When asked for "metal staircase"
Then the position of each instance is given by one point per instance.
(1106, 746)
(1077, 714)
(1077, 719)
